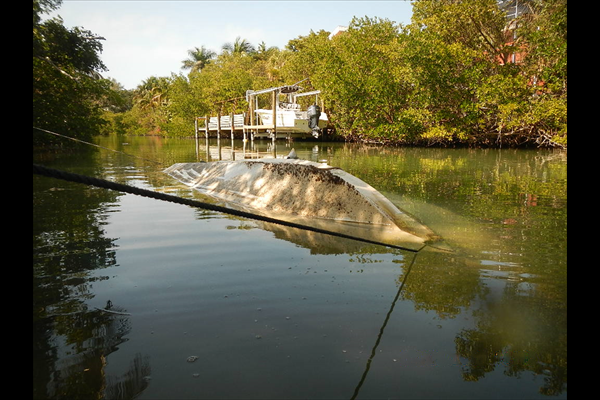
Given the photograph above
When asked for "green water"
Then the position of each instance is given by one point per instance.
(271, 312)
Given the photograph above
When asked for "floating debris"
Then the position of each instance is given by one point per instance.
(113, 312)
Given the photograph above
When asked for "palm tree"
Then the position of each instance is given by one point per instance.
(263, 52)
(152, 92)
(198, 59)
(240, 46)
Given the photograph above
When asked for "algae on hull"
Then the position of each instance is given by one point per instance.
(301, 190)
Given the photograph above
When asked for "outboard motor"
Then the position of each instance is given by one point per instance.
(314, 113)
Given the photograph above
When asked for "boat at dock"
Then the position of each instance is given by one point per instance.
(307, 193)
(286, 118)
(291, 120)
(283, 117)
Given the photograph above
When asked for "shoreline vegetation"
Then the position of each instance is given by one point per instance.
(477, 73)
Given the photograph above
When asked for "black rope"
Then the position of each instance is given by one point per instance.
(385, 322)
(103, 183)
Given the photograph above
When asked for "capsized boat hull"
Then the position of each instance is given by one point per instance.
(305, 192)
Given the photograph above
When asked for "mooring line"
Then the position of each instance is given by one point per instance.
(103, 183)
(96, 145)
(385, 322)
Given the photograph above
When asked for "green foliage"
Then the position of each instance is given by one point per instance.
(478, 25)
(67, 87)
(199, 58)
(239, 47)
(445, 79)
(545, 31)
(168, 106)
(371, 82)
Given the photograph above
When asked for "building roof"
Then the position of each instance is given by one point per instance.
(337, 31)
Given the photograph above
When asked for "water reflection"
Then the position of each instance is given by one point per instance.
(517, 333)
(491, 312)
(519, 323)
(519, 328)
(71, 350)
(318, 243)
(70, 340)
(230, 150)
(382, 330)
(509, 268)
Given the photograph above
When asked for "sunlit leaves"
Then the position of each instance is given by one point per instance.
(67, 85)
(447, 78)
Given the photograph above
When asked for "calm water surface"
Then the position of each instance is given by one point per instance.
(210, 306)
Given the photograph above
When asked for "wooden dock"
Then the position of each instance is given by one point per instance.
(247, 126)
(221, 126)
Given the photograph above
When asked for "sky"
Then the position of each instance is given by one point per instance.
(152, 37)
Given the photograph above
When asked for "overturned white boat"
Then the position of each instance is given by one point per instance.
(308, 193)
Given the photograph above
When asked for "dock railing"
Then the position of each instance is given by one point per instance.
(221, 124)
